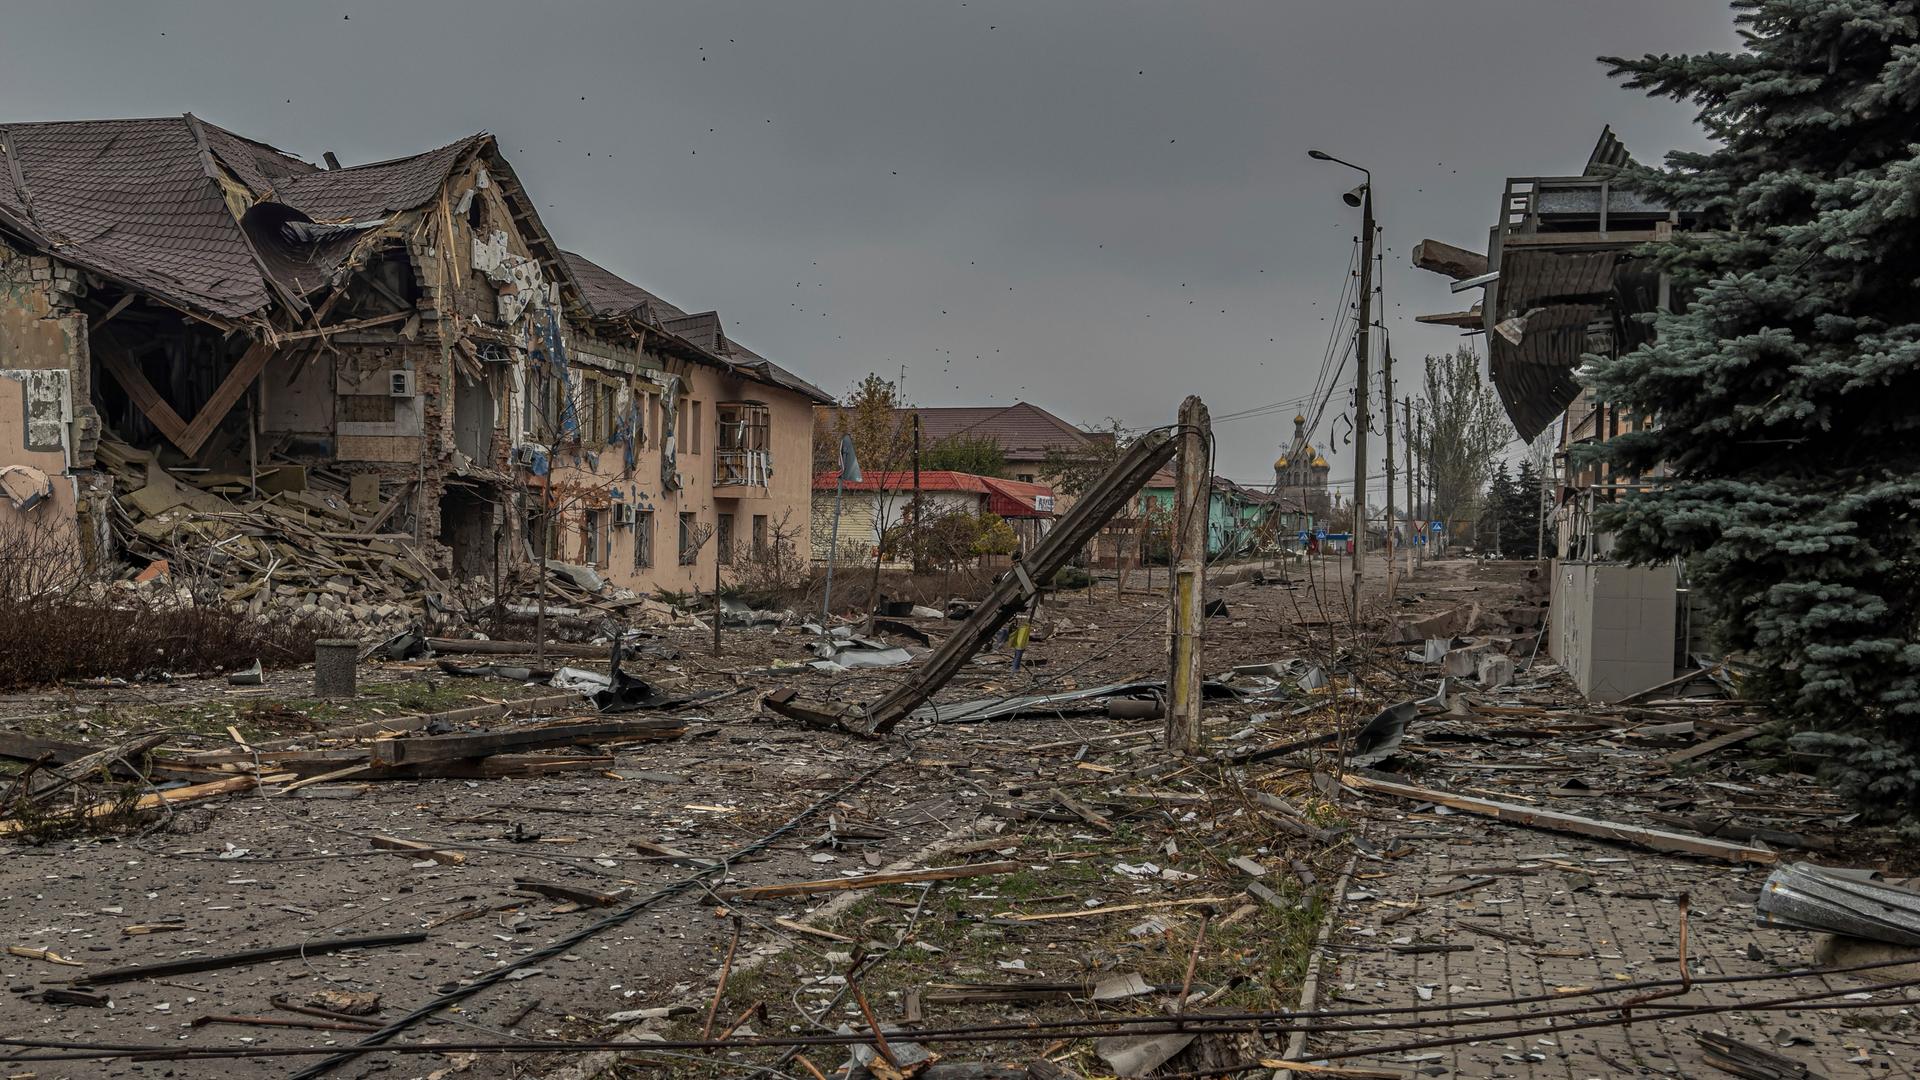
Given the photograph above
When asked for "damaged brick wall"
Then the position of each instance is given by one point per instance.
(46, 422)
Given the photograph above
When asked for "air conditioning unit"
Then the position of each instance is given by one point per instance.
(625, 513)
(526, 455)
(400, 384)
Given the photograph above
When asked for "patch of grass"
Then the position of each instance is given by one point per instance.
(271, 715)
(78, 638)
(1260, 960)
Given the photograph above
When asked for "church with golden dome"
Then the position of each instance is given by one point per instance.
(1301, 473)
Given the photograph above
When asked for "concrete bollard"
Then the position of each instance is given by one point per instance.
(335, 663)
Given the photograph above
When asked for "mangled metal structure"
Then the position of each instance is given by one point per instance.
(1012, 593)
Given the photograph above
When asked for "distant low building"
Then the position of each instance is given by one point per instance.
(1026, 433)
(1237, 515)
(880, 501)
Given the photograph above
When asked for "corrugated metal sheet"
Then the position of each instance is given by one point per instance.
(1560, 293)
(1802, 896)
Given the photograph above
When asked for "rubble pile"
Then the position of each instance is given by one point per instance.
(300, 549)
(306, 544)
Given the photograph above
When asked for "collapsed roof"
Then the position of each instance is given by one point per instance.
(223, 227)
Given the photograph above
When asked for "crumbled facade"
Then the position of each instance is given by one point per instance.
(211, 306)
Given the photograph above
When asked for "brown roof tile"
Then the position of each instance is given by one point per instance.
(607, 293)
(1025, 431)
(133, 199)
(361, 192)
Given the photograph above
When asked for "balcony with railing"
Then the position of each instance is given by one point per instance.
(743, 454)
(1577, 211)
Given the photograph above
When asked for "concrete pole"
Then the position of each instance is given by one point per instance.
(1361, 417)
(919, 564)
(833, 553)
(1413, 505)
(1386, 402)
(1540, 527)
(1190, 506)
(1420, 466)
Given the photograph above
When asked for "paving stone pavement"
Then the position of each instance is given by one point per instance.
(1539, 911)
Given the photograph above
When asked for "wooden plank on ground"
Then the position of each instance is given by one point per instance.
(418, 849)
(1554, 821)
(869, 881)
(1112, 909)
(311, 947)
(174, 797)
(1713, 745)
(560, 890)
(430, 748)
(516, 648)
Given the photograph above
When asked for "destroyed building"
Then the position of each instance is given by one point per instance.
(1564, 278)
(200, 333)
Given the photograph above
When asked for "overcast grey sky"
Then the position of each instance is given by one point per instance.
(1098, 206)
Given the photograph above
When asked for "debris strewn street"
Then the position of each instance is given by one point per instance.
(981, 541)
(1053, 869)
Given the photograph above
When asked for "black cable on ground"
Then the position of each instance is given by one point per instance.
(567, 943)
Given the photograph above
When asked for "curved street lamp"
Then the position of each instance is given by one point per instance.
(1361, 197)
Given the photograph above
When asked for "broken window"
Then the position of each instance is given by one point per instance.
(543, 534)
(724, 539)
(760, 538)
(643, 540)
(473, 413)
(592, 529)
(743, 449)
(689, 545)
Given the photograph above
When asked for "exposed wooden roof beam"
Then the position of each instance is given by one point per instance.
(1455, 262)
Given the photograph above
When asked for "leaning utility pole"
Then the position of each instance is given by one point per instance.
(1190, 512)
(1386, 401)
(1362, 343)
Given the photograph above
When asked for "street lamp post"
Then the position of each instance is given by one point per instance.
(1361, 197)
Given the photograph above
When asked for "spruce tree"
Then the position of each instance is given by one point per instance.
(1785, 393)
(1523, 513)
(1494, 528)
